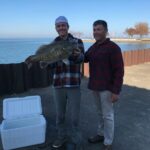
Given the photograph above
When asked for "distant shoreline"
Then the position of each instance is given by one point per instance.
(122, 40)
(119, 40)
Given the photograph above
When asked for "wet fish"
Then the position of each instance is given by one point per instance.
(53, 52)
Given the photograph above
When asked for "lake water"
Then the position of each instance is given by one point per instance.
(17, 50)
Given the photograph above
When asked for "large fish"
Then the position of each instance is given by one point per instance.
(53, 52)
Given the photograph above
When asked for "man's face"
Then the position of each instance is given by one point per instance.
(99, 32)
(62, 29)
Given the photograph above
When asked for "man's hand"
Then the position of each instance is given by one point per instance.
(29, 61)
(76, 52)
(114, 97)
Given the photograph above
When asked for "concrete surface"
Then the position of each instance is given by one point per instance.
(132, 113)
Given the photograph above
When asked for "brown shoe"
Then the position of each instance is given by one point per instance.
(107, 147)
(96, 139)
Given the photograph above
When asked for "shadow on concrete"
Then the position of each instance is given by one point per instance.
(132, 118)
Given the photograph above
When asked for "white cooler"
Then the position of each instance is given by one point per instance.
(24, 123)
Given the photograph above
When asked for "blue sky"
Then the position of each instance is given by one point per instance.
(35, 18)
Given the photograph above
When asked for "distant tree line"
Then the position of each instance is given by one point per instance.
(140, 29)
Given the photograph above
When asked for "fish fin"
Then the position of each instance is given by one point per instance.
(66, 61)
(30, 65)
(43, 64)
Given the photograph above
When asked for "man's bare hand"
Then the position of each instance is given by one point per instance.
(114, 97)
(29, 61)
(76, 52)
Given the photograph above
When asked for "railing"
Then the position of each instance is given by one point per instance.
(17, 78)
(130, 58)
(135, 57)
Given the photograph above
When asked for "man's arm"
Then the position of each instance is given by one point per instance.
(87, 54)
(118, 72)
(86, 59)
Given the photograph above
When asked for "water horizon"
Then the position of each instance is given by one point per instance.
(16, 50)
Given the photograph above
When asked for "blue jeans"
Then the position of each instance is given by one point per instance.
(68, 98)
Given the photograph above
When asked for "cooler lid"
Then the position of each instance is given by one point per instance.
(20, 107)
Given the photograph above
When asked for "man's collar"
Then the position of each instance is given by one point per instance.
(104, 42)
(68, 37)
